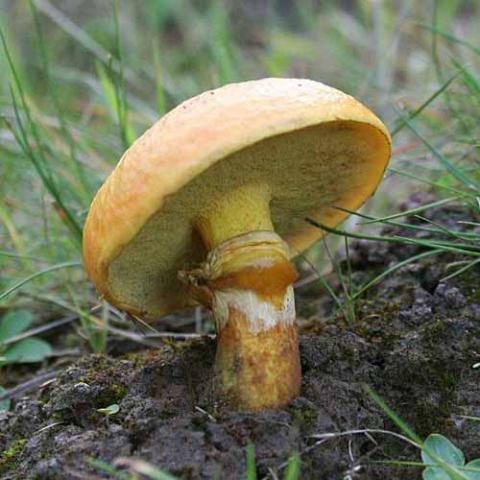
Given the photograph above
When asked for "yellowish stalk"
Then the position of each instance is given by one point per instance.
(246, 281)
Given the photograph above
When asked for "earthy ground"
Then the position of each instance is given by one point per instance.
(415, 342)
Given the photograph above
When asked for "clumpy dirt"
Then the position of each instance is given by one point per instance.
(415, 341)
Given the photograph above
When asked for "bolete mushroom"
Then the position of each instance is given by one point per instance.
(209, 205)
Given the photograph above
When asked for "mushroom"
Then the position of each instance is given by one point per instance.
(208, 207)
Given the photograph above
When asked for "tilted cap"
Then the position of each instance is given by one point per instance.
(315, 147)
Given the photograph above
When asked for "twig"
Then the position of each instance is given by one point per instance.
(365, 431)
(208, 415)
(180, 336)
(312, 277)
(41, 329)
(48, 427)
(198, 319)
(325, 437)
(29, 385)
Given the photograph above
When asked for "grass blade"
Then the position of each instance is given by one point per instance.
(452, 169)
(446, 246)
(412, 211)
(394, 417)
(39, 162)
(251, 467)
(53, 268)
(126, 130)
(222, 43)
(107, 468)
(465, 193)
(461, 270)
(293, 468)
(56, 102)
(450, 37)
(393, 269)
(425, 104)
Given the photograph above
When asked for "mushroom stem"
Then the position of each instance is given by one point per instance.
(257, 362)
(246, 281)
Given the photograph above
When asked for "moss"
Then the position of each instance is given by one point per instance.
(304, 418)
(110, 376)
(468, 283)
(432, 418)
(144, 357)
(434, 384)
(109, 393)
(169, 349)
(8, 458)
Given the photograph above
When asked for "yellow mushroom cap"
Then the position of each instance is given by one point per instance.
(314, 146)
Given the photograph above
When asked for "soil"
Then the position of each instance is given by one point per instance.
(415, 341)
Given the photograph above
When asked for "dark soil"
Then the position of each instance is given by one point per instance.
(415, 341)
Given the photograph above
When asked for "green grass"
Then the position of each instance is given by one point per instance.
(78, 86)
(441, 459)
(139, 467)
(67, 122)
(85, 88)
(86, 85)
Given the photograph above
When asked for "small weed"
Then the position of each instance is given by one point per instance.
(8, 457)
(16, 346)
(139, 467)
(110, 410)
(441, 459)
(4, 404)
(444, 449)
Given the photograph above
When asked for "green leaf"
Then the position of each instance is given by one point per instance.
(110, 410)
(28, 350)
(443, 448)
(4, 404)
(13, 323)
(474, 465)
(435, 473)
